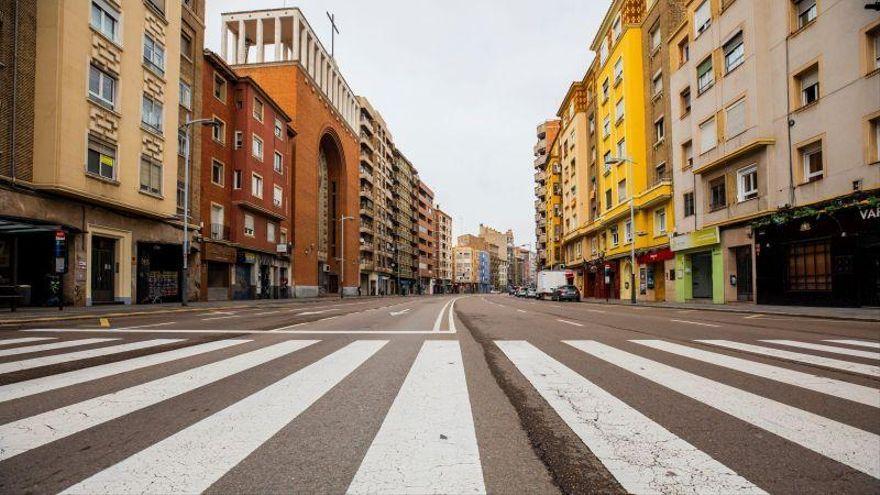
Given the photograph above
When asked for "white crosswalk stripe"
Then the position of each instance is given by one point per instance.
(859, 343)
(53, 382)
(76, 356)
(825, 348)
(864, 369)
(643, 456)
(843, 443)
(53, 346)
(411, 454)
(829, 386)
(24, 340)
(194, 458)
(29, 433)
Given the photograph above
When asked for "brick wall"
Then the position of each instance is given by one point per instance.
(23, 97)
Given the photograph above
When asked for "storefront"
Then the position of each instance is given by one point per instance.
(830, 257)
(218, 261)
(158, 270)
(29, 266)
(602, 279)
(655, 269)
(698, 266)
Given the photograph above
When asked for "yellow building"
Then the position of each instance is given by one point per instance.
(623, 172)
(551, 239)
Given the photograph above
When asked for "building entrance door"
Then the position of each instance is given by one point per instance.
(743, 273)
(103, 269)
(701, 275)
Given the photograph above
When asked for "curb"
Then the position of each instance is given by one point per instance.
(866, 319)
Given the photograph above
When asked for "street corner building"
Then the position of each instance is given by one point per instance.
(91, 207)
(280, 51)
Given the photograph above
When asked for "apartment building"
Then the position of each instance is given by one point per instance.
(554, 232)
(443, 257)
(776, 109)
(546, 199)
(405, 224)
(92, 190)
(501, 243)
(245, 187)
(279, 50)
(427, 228)
(376, 185)
(465, 268)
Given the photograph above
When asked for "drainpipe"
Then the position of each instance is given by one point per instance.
(788, 124)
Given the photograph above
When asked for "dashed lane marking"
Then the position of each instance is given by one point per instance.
(697, 323)
(567, 322)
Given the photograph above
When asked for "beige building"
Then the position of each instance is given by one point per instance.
(499, 242)
(775, 110)
(443, 251)
(465, 266)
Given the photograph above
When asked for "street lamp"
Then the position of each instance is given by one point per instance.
(613, 160)
(342, 220)
(187, 127)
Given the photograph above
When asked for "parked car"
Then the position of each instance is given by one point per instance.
(531, 292)
(566, 293)
(521, 292)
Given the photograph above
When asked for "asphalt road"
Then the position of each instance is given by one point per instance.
(441, 394)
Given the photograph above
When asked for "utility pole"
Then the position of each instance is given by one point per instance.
(342, 220)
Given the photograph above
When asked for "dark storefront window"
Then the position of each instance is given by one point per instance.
(809, 266)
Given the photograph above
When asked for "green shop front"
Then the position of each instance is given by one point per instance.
(699, 266)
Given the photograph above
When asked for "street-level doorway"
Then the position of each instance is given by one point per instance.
(701, 275)
(103, 270)
(744, 290)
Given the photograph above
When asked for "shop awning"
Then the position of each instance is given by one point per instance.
(9, 226)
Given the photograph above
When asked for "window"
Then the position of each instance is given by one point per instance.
(618, 70)
(619, 110)
(621, 191)
(219, 87)
(181, 142)
(717, 193)
(808, 85)
(608, 199)
(248, 225)
(747, 183)
(705, 76)
(660, 221)
(258, 109)
(101, 159)
(735, 119)
(154, 54)
(236, 179)
(660, 172)
(805, 10)
(217, 222)
(605, 159)
(809, 266)
(708, 135)
(105, 20)
(689, 206)
(603, 52)
(282, 237)
(186, 45)
(659, 130)
(615, 238)
(277, 196)
(687, 154)
(685, 96)
(702, 18)
(257, 147)
(592, 123)
(811, 158)
(875, 134)
(628, 231)
(151, 175)
(874, 49)
(734, 54)
(621, 149)
(616, 28)
(185, 95)
(257, 185)
(684, 51)
(217, 173)
(218, 132)
(605, 90)
(102, 87)
(657, 84)
(277, 163)
(655, 38)
(606, 127)
(152, 114)
(239, 140)
(270, 232)
(279, 129)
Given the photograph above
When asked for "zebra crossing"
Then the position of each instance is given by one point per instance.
(427, 441)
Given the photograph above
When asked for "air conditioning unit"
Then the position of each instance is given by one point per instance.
(326, 267)
(281, 248)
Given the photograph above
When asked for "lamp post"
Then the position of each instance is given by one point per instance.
(342, 220)
(187, 128)
(632, 223)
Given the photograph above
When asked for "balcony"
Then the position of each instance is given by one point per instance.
(540, 176)
(540, 191)
(367, 266)
(219, 232)
(367, 247)
(366, 210)
(542, 238)
(540, 160)
(659, 177)
(542, 222)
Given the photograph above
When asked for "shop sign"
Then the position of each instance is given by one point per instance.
(60, 251)
(219, 252)
(870, 213)
(247, 258)
(704, 237)
(654, 256)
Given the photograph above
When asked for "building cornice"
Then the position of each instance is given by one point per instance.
(747, 148)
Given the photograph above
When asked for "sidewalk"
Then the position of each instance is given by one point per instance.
(43, 314)
(831, 313)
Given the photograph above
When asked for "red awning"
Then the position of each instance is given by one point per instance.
(656, 255)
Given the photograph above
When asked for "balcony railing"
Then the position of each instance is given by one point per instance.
(219, 232)
(540, 191)
(540, 176)
(660, 177)
(540, 160)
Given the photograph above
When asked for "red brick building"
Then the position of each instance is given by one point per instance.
(425, 206)
(279, 50)
(246, 165)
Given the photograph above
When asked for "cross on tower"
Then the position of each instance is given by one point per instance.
(333, 32)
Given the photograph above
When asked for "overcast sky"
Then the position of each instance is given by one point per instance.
(461, 84)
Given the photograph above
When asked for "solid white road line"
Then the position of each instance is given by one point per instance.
(696, 323)
(221, 317)
(151, 325)
(193, 459)
(427, 442)
(29, 433)
(864, 369)
(24, 340)
(451, 321)
(75, 356)
(825, 348)
(51, 347)
(439, 320)
(574, 323)
(838, 441)
(642, 455)
(859, 343)
(829, 386)
(53, 382)
(322, 311)
(594, 310)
